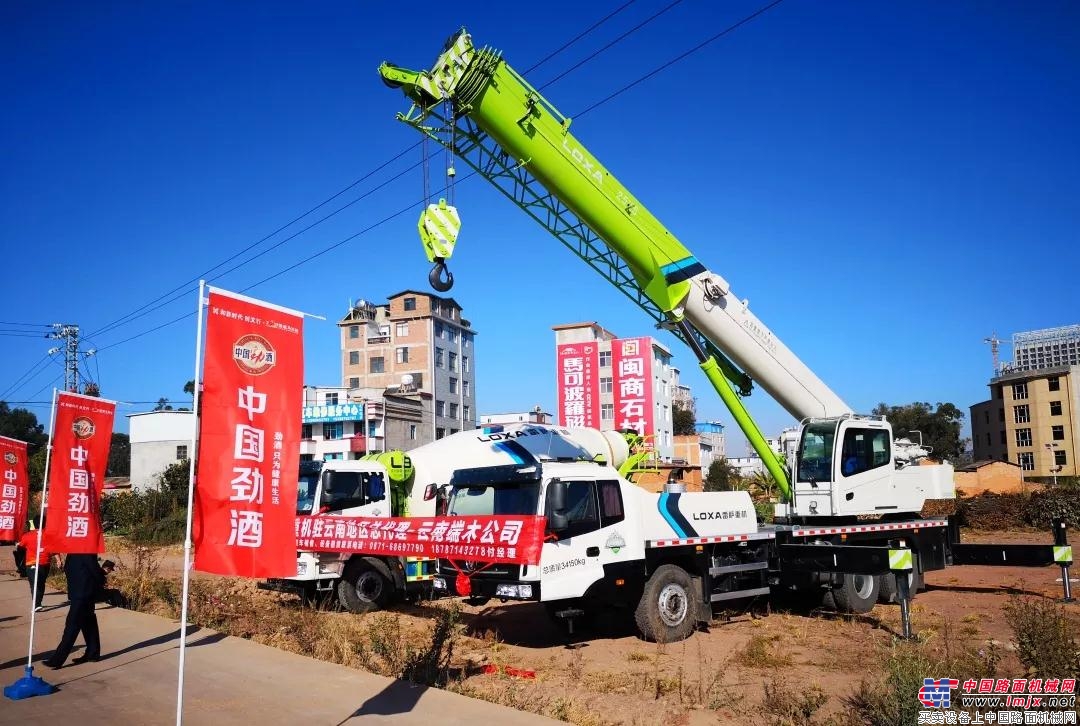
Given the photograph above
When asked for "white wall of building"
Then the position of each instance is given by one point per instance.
(158, 439)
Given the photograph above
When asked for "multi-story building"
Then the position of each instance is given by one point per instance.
(158, 439)
(607, 382)
(1047, 348)
(1031, 419)
(537, 416)
(344, 423)
(419, 341)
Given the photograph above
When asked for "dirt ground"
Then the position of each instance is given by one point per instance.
(513, 654)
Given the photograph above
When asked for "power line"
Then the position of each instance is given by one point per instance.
(579, 36)
(27, 325)
(676, 59)
(15, 386)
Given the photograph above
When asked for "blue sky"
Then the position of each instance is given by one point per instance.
(869, 175)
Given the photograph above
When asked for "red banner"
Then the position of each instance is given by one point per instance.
(631, 362)
(579, 384)
(487, 539)
(249, 438)
(14, 489)
(82, 433)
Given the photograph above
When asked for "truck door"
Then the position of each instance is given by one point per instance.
(354, 493)
(576, 560)
(864, 465)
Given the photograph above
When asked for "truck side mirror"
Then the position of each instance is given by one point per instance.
(558, 521)
(429, 492)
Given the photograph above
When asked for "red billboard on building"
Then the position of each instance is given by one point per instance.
(577, 367)
(632, 385)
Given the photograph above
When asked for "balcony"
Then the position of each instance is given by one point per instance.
(378, 339)
(358, 444)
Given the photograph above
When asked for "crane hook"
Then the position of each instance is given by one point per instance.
(440, 276)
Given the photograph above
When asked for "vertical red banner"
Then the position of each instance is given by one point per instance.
(578, 385)
(82, 433)
(14, 489)
(249, 439)
(632, 385)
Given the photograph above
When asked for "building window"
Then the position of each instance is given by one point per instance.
(987, 413)
(605, 385)
(402, 355)
(412, 432)
(988, 439)
(354, 357)
(1001, 415)
(305, 432)
(402, 329)
(438, 357)
(438, 329)
(1002, 438)
(1019, 391)
(453, 410)
(181, 452)
(453, 385)
(410, 304)
(464, 364)
(452, 334)
(333, 430)
(331, 399)
(466, 412)
(376, 364)
(354, 331)
(607, 411)
(1023, 437)
(1059, 457)
(1058, 433)
(440, 408)
(605, 359)
(1021, 413)
(452, 361)
(1054, 383)
(1055, 408)
(354, 382)
(465, 388)
(1026, 461)
(440, 433)
(466, 338)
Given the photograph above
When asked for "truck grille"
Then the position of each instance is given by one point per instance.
(498, 570)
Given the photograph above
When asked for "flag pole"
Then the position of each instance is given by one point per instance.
(31, 685)
(190, 507)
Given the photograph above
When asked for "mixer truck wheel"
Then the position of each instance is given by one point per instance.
(856, 593)
(668, 609)
(367, 585)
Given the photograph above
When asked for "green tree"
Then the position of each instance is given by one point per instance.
(174, 480)
(722, 477)
(163, 405)
(189, 388)
(22, 424)
(119, 456)
(939, 426)
(682, 420)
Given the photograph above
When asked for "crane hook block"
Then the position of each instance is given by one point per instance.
(439, 225)
(440, 277)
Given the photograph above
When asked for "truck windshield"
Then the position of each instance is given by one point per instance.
(305, 493)
(485, 499)
(815, 452)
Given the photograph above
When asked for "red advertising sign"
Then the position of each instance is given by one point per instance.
(487, 539)
(632, 385)
(14, 489)
(249, 438)
(82, 433)
(579, 384)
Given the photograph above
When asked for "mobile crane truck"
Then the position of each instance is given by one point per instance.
(850, 499)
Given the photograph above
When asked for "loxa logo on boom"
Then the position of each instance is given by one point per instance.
(254, 354)
(82, 427)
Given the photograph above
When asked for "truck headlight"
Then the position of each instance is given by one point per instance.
(438, 583)
(514, 591)
(301, 568)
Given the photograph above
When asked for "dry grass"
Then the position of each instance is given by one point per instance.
(763, 651)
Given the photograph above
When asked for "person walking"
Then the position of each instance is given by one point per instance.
(37, 563)
(85, 579)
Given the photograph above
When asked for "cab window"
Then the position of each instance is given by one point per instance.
(582, 509)
(346, 489)
(864, 449)
(611, 505)
(815, 452)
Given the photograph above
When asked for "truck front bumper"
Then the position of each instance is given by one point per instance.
(479, 587)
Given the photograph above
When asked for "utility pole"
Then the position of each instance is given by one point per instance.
(69, 334)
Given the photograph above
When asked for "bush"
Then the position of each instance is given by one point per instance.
(1042, 507)
(167, 531)
(1045, 638)
(993, 511)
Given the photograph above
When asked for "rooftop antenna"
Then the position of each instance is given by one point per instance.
(994, 343)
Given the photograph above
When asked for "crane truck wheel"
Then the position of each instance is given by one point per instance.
(668, 609)
(366, 585)
(856, 593)
(890, 593)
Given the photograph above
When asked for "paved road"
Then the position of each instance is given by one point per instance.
(228, 680)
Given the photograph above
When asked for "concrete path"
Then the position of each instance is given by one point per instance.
(228, 680)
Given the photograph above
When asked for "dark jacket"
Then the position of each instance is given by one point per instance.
(84, 577)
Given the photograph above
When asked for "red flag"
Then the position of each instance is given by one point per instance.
(14, 489)
(249, 438)
(82, 427)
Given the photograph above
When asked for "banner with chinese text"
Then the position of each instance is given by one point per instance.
(579, 384)
(14, 489)
(516, 540)
(632, 385)
(249, 438)
(82, 433)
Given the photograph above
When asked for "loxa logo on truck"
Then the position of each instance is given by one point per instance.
(734, 514)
